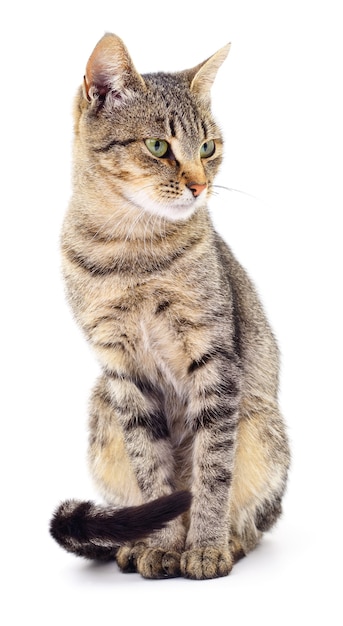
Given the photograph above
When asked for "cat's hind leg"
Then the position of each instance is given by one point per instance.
(149, 561)
(127, 556)
(260, 473)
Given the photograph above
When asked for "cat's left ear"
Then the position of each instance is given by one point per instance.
(110, 71)
(202, 76)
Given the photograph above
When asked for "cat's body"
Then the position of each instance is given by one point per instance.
(188, 395)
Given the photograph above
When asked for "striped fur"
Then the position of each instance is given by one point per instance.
(187, 398)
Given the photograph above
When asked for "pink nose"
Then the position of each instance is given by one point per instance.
(196, 188)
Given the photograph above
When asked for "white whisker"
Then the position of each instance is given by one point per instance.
(235, 190)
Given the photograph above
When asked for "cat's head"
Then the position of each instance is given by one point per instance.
(151, 137)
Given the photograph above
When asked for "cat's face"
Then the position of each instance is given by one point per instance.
(153, 136)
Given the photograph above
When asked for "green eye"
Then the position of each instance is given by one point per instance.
(157, 147)
(207, 149)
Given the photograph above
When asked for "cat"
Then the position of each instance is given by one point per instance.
(187, 443)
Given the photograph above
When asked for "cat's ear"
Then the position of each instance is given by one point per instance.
(110, 71)
(202, 76)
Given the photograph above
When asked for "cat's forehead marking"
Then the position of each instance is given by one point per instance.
(185, 132)
(172, 112)
(184, 150)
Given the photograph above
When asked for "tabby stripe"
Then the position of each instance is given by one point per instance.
(172, 128)
(113, 143)
(204, 128)
(182, 124)
(113, 375)
(227, 388)
(99, 320)
(106, 318)
(153, 265)
(221, 445)
(154, 423)
(198, 363)
(86, 264)
(96, 235)
(144, 386)
(205, 358)
(215, 474)
(213, 416)
(113, 345)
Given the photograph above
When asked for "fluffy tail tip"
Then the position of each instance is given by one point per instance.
(75, 523)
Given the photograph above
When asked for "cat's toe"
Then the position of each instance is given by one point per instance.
(127, 557)
(203, 563)
(158, 563)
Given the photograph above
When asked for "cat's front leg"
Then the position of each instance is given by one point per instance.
(214, 414)
(149, 449)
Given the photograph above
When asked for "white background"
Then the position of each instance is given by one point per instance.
(279, 101)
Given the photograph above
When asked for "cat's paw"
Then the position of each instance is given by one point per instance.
(203, 563)
(159, 563)
(127, 556)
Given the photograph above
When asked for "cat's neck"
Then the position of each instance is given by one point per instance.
(131, 239)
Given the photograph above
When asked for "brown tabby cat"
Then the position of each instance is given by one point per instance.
(187, 399)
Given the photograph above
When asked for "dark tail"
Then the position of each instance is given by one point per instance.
(97, 532)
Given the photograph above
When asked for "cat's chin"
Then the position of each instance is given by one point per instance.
(178, 213)
(174, 211)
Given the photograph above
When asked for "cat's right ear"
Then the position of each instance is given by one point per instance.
(110, 72)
